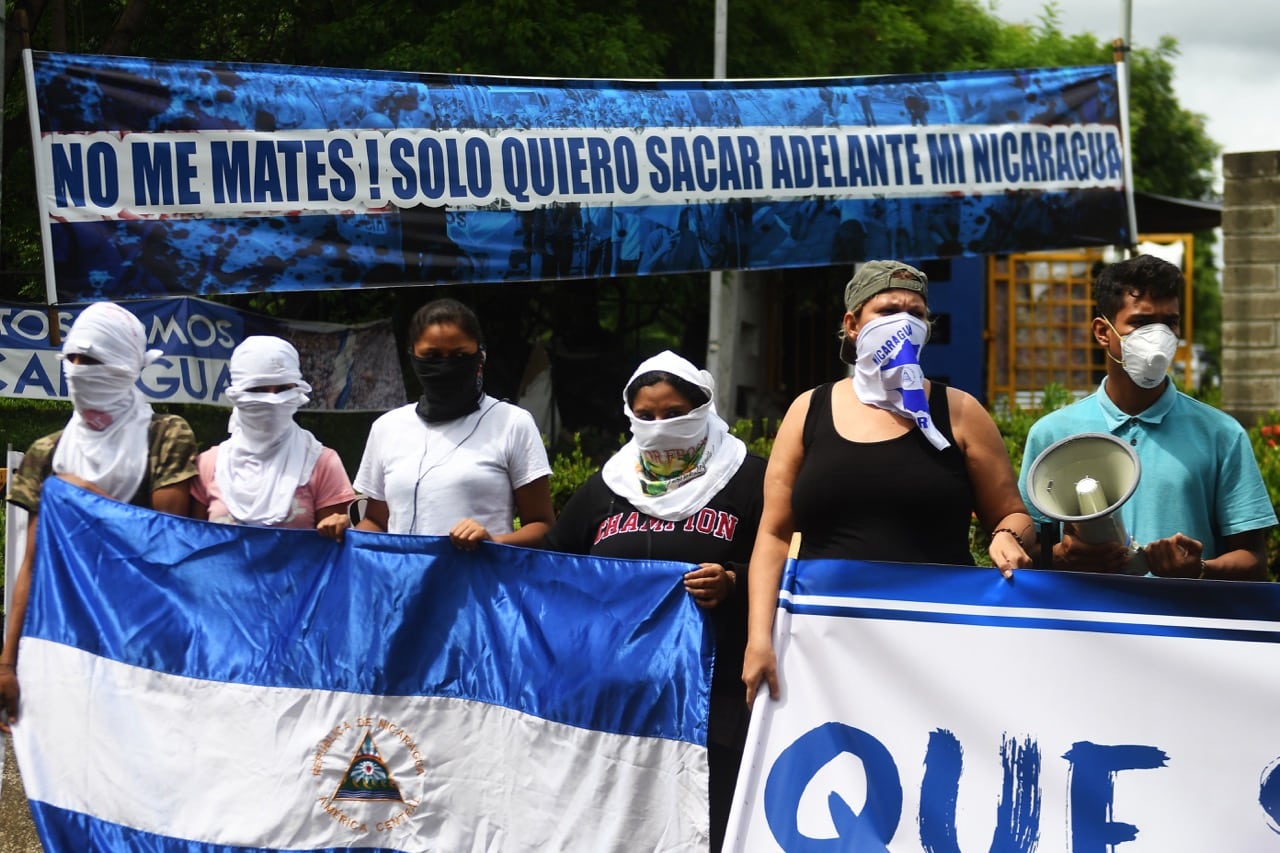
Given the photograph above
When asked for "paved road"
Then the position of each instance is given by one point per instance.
(17, 832)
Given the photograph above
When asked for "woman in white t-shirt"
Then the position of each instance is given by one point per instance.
(457, 462)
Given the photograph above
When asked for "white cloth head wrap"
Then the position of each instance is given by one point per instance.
(105, 442)
(268, 456)
(112, 335)
(887, 371)
(720, 459)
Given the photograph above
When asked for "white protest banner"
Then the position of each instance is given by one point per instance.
(940, 709)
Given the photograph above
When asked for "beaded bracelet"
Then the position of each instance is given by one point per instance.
(1011, 532)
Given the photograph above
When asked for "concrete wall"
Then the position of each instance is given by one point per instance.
(1251, 285)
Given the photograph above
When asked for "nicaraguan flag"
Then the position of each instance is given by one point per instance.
(198, 687)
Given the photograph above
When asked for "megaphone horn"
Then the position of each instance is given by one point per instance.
(1085, 479)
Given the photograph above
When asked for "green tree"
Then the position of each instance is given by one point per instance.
(590, 38)
(1174, 155)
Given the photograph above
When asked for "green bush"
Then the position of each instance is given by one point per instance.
(1014, 425)
(23, 421)
(1265, 437)
(760, 445)
(569, 470)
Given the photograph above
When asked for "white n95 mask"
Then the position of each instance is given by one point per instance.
(1146, 353)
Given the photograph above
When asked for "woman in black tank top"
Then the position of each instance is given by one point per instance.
(886, 466)
(841, 521)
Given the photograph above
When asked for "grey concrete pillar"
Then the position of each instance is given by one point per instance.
(1251, 285)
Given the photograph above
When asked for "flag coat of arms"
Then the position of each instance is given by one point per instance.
(193, 686)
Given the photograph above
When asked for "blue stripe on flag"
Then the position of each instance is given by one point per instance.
(61, 829)
(612, 645)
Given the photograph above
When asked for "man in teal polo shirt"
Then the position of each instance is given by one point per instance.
(1200, 508)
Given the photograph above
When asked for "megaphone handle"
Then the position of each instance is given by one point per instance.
(1049, 533)
(1137, 564)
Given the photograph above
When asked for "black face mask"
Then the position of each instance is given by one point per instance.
(451, 387)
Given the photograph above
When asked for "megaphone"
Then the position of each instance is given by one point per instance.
(1085, 479)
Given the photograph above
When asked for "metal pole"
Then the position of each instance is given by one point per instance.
(1126, 33)
(1119, 49)
(715, 284)
(4, 39)
(721, 38)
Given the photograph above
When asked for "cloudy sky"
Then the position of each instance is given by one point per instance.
(1228, 68)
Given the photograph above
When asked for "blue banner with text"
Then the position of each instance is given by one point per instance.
(162, 177)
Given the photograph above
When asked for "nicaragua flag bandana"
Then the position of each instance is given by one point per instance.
(887, 370)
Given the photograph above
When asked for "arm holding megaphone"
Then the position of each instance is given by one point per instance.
(1083, 481)
(1076, 554)
(1178, 556)
(1244, 557)
(1099, 544)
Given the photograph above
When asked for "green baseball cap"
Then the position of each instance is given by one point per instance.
(876, 276)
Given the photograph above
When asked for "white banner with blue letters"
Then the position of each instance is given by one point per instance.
(936, 709)
(346, 366)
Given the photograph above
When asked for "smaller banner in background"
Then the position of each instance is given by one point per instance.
(350, 368)
(933, 709)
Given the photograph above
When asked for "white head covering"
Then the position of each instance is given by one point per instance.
(268, 456)
(105, 442)
(718, 461)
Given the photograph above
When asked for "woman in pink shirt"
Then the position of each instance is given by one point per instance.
(270, 471)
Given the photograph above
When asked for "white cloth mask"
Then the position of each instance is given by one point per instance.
(105, 442)
(680, 433)
(262, 418)
(101, 393)
(670, 450)
(268, 456)
(671, 468)
(1146, 353)
(887, 374)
